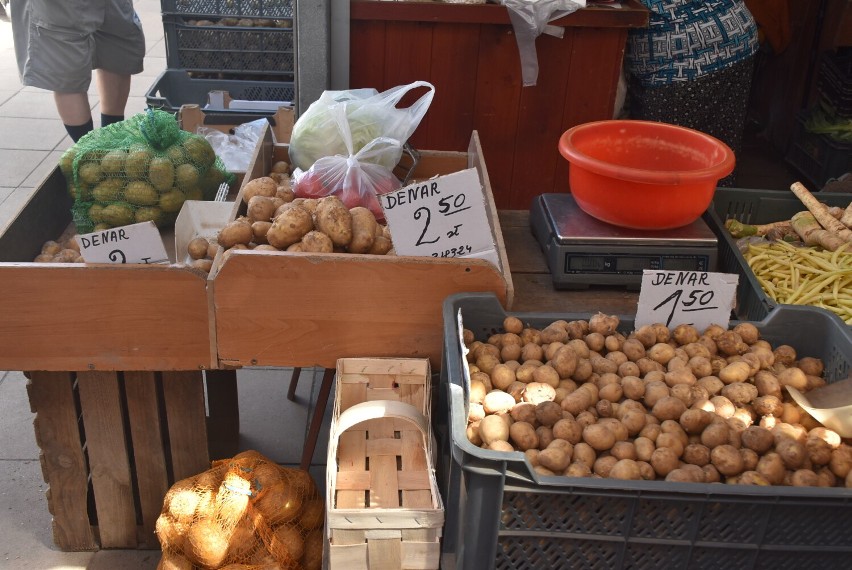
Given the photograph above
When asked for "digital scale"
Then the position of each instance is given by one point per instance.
(583, 251)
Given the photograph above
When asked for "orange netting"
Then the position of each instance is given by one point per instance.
(246, 513)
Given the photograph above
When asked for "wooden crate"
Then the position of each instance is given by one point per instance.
(112, 443)
(383, 506)
(300, 309)
(120, 360)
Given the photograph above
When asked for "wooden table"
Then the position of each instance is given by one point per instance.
(534, 290)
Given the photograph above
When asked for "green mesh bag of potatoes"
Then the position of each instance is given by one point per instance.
(138, 170)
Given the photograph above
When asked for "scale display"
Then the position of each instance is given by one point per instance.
(582, 251)
(578, 263)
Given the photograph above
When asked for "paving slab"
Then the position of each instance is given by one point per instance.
(31, 134)
(17, 438)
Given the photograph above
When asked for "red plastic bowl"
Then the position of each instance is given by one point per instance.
(643, 174)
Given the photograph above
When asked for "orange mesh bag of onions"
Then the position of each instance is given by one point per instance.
(245, 513)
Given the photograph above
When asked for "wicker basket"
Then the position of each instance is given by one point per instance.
(384, 509)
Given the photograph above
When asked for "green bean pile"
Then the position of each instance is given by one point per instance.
(804, 276)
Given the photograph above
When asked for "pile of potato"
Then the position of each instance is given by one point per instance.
(581, 399)
(67, 251)
(136, 184)
(245, 22)
(278, 221)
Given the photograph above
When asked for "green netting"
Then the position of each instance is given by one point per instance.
(137, 170)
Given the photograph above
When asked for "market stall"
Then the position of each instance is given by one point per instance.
(510, 437)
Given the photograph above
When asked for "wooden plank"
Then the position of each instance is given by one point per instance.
(476, 159)
(384, 554)
(45, 216)
(149, 456)
(455, 86)
(407, 480)
(524, 251)
(405, 319)
(348, 556)
(122, 317)
(414, 461)
(223, 422)
(595, 66)
(498, 93)
(539, 125)
(64, 467)
(366, 54)
(109, 461)
(183, 393)
(408, 49)
(351, 457)
(631, 14)
(420, 555)
(384, 489)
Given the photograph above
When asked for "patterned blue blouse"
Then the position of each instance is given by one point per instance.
(686, 39)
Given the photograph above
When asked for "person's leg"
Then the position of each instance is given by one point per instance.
(58, 60)
(113, 89)
(120, 52)
(75, 113)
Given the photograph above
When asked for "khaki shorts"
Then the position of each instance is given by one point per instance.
(58, 44)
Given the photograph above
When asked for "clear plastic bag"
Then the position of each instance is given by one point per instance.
(357, 178)
(235, 150)
(369, 115)
(529, 20)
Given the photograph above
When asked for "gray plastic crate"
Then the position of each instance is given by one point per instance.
(817, 156)
(259, 51)
(175, 87)
(245, 8)
(753, 207)
(834, 83)
(501, 514)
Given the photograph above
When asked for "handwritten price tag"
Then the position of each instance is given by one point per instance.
(136, 243)
(441, 217)
(674, 298)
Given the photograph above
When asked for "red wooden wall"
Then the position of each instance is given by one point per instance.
(470, 54)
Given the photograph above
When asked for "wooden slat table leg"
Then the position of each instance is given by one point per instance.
(223, 422)
(149, 455)
(185, 416)
(63, 463)
(316, 419)
(109, 463)
(294, 382)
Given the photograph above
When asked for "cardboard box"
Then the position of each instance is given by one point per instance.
(198, 219)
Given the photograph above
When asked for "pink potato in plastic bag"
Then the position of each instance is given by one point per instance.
(353, 179)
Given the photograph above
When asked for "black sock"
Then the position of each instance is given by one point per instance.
(76, 132)
(110, 119)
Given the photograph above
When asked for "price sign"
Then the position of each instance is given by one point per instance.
(674, 298)
(136, 243)
(441, 217)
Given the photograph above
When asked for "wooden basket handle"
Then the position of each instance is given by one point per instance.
(370, 411)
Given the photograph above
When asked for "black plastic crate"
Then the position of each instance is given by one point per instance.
(175, 87)
(753, 207)
(834, 83)
(501, 514)
(817, 156)
(229, 49)
(237, 8)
